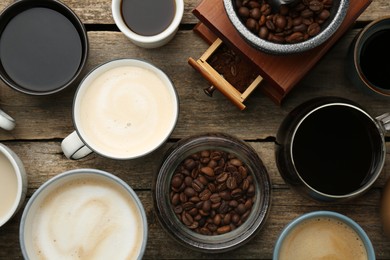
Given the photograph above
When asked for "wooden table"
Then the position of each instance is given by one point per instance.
(42, 123)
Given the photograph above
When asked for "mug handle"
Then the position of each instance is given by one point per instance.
(6, 121)
(384, 121)
(73, 147)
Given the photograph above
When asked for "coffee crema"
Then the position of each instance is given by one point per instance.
(322, 238)
(86, 218)
(8, 186)
(126, 112)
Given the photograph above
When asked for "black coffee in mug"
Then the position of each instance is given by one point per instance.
(333, 149)
(43, 46)
(148, 17)
(330, 149)
(375, 59)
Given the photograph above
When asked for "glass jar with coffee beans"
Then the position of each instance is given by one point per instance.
(212, 192)
(290, 24)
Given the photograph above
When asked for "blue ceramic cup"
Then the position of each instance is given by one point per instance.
(323, 235)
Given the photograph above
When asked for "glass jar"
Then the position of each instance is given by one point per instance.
(162, 192)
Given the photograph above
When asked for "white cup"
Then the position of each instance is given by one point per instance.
(13, 184)
(6, 121)
(153, 41)
(84, 214)
(123, 109)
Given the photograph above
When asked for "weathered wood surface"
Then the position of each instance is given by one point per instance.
(42, 123)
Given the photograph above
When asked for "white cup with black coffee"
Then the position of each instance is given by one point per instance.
(148, 23)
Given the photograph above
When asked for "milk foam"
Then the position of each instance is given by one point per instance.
(323, 238)
(87, 219)
(127, 111)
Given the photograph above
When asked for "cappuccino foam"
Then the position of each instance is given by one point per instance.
(86, 218)
(323, 238)
(126, 112)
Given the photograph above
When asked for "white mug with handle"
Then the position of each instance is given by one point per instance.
(123, 109)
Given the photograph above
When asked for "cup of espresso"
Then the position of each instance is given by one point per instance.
(6, 121)
(43, 46)
(13, 184)
(330, 149)
(323, 235)
(368, 58)
(123, 109)
(84, 214)
(148, 23)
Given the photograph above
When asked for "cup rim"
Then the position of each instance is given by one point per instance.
(367, 32)
(327, 214)
(11, 211)
(133, 62)
(76, 22)
(147, 39)
(75, 172)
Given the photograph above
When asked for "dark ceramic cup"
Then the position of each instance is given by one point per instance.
(368, 58)
(43, 46)
(330, 149)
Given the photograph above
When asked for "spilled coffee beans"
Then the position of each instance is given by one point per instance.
(291, 24)
(212, 192)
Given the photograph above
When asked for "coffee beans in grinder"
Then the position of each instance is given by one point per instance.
(290, 24)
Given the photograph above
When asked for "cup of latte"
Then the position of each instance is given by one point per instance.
(13, 184)
(84, 214)
(323, 235)
(123, 109)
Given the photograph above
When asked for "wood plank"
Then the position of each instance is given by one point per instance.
(199, 113)
(99, 11)
(286, 204)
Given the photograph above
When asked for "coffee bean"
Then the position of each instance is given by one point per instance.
(243, 12)
(224, 229)
(295, 37)
(222, 177)
(231, 183)
(197, 185)
(255, 13)
(215, 198)
(189, 192)
(316, 6)
(280, 22)
(263, 32)
(176, 182)
(324, 15)
(313, 29)
(205, 195)
(207, 171)
(252, 24)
